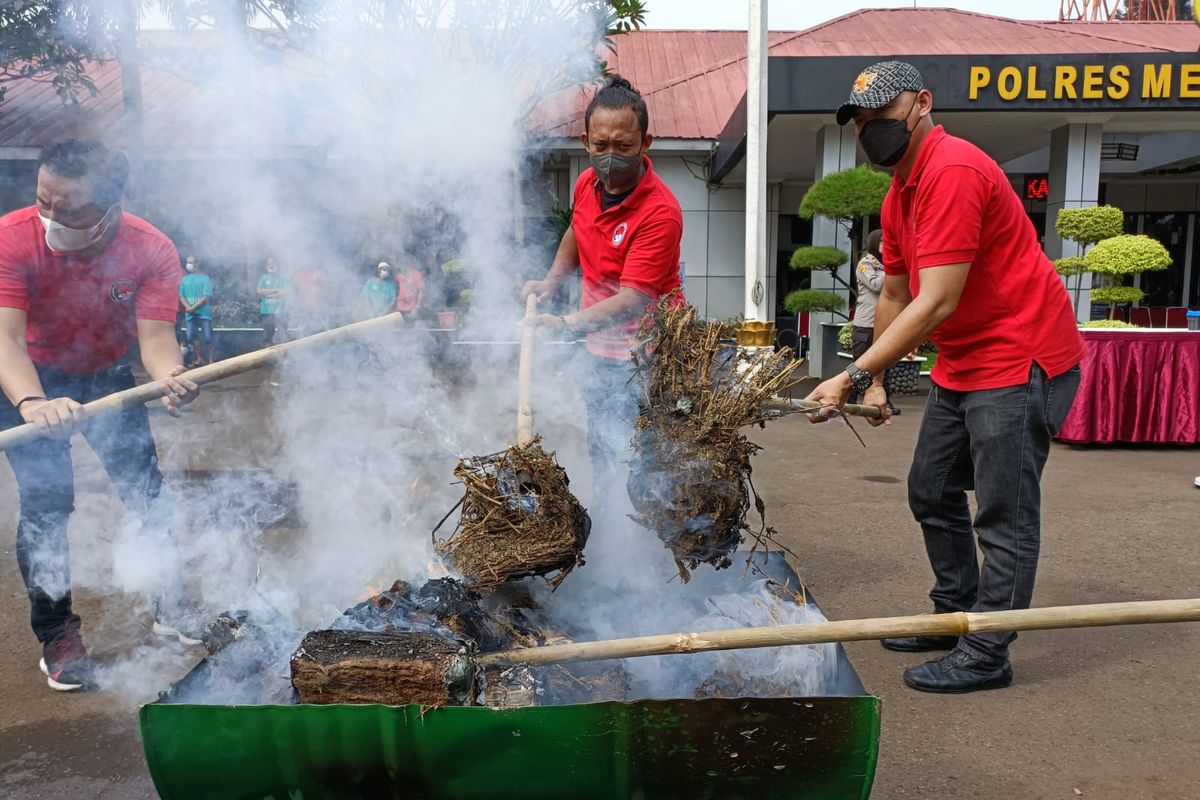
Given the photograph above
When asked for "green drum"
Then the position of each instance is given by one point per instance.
(751, 748)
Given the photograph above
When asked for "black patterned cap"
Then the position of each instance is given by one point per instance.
(878, 85)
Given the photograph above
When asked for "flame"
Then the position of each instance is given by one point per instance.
(369, 593)
(434, 568)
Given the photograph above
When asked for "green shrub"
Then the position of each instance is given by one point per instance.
(1071, 265)
(1108, 323)
(1090, 225)
(1117, 294)
(1128, 254)
(846, 336)
(818, 257)
(848, 195)
(813, 300)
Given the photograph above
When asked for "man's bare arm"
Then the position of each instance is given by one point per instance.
(902, 327)
(566, 261)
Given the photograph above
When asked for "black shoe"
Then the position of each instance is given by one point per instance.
(958, 672)
(893, 410)
(921, 644)
(65, 661)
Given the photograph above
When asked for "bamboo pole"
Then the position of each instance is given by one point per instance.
(955, 624)
(525, 375)
(208, 373)
(852, 409)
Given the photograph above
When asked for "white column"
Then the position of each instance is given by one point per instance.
(756, 163)
(1074, 183)
(836, 151)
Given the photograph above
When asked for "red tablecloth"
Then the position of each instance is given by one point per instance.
(1137, 387)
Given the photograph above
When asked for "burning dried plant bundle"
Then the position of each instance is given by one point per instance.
(391, 668)
(690, 470)
(519, 518)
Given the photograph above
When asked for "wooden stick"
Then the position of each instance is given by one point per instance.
(956, 624)
(525, 375)
(854, 410)
(209, 373)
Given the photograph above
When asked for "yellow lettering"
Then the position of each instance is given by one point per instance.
(1156, 81)
(980, 77)
(1118, 82)
(1189, 81)
(1093, 82)
(1064, 82)
(1034, 92)
(1008, 83)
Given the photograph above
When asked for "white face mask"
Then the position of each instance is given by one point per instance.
(190, 266)
(62, 239)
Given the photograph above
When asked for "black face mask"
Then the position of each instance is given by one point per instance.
(885, 141)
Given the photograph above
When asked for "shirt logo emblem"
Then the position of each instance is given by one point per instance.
(122, 290)
(619, 234)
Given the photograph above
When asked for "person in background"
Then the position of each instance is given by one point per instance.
(271, 304)
(410, 288)
(308, 306)
(379, 292)
(195, 294)
(80, 281)
(869, 278)
(963, 267)
(625, 233)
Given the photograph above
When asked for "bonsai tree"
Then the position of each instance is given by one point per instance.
(1123, 255)
(846, 197)
(813, 300)
(1085, 227)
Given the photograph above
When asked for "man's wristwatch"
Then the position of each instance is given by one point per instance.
(860, 380)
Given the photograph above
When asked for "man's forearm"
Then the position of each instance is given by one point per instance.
(566, 258)
(625, 304)
(18, 376)
(899, 329)
(160, 351)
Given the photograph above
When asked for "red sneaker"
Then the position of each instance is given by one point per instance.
(65, 661)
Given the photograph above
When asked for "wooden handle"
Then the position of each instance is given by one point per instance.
(209, 373)
(956, 624)
(852, 409)
(525, 376)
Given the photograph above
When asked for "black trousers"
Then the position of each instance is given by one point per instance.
(46, 486)
(994, 442)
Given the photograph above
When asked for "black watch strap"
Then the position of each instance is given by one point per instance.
(860, 380)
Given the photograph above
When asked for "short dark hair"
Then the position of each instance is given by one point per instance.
(107, 169)
(618, 93)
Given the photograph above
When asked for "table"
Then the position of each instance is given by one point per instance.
(1138, 386)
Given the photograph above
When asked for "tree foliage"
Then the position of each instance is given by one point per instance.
(813, 300)
(846, 195)
(1071, 265)
(1128, 254)
(1117, 294)
(48, 41)
(1087, 226)
(818, 257)
(1107, 323)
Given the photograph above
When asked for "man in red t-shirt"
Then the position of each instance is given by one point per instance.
(625, 230)
(410, 287)
(963, 268)
(80, 281)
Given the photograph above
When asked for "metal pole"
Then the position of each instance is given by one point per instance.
(756, 163)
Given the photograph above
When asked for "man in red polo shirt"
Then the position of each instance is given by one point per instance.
(79, 282)
(625, 232)
(963, 268)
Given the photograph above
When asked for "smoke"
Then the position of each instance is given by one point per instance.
(401, 138)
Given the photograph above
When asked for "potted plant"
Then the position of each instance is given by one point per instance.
(457, 292)
(1085, 227)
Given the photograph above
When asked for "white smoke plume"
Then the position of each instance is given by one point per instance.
(399, 137)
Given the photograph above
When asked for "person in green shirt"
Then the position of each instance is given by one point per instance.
(195, 295)
(379, 292)
(271, 288)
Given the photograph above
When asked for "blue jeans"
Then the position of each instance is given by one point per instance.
(995, 442)
(611, 397)
(201, 326)
(46, 485)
